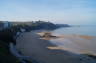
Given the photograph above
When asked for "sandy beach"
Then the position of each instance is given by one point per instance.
(42, 51)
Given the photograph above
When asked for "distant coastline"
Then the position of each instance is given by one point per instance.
(32, 25)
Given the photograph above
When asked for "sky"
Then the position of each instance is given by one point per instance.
(56, 11)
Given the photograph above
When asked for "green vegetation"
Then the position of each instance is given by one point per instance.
(39, 25)
(90, 55)
(7, 36)
(5, 55)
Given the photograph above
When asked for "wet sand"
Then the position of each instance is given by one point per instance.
(41, 51)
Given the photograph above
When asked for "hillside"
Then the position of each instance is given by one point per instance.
(9, 35)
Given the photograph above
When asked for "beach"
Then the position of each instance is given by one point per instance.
(43, 51)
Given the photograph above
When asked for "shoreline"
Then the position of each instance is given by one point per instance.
(74, 38)
(31, 45)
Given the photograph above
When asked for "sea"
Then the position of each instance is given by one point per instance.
(76, 47)
(89, 30)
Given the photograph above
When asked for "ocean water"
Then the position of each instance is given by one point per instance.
(76, 45)
(79, 30)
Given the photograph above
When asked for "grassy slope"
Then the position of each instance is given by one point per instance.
(5, 55)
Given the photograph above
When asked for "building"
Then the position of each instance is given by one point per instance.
(4, 25)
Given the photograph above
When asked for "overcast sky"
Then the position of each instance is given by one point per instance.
(56, 11)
